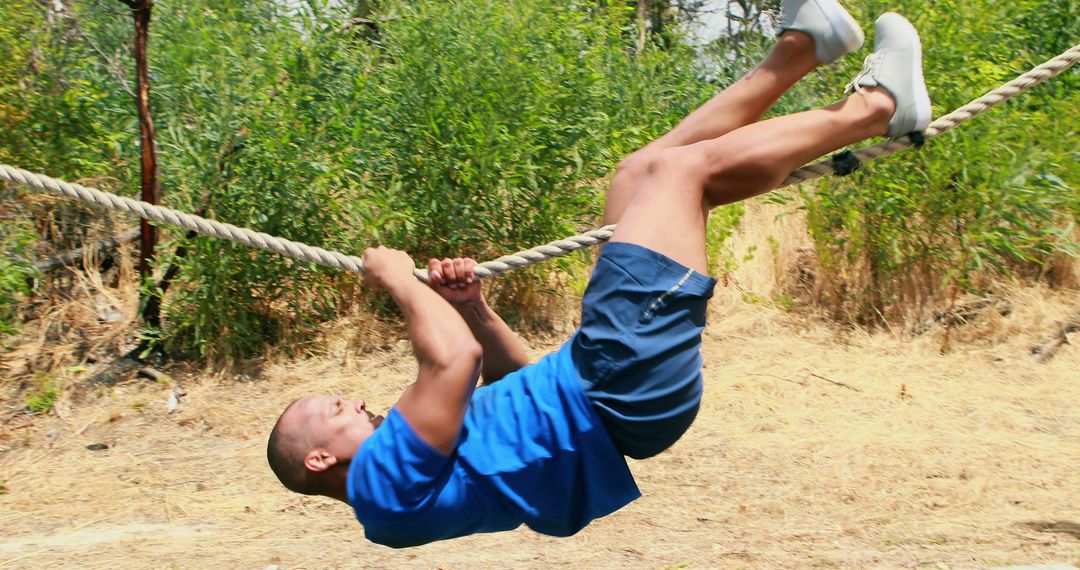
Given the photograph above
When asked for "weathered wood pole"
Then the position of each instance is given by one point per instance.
(151, 186)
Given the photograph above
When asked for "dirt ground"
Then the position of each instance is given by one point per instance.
(816, 446)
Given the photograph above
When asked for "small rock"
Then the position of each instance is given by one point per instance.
(174, 400)
(114, 316)
(97, 446)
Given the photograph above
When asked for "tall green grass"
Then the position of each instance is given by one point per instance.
(16, 273)
(487, 127)
(471, 127)
(998, 195)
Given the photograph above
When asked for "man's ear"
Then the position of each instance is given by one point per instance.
(318, 460)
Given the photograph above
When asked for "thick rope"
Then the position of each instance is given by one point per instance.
(187, 221)
(336, 260)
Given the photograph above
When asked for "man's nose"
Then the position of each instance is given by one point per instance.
(360, 405)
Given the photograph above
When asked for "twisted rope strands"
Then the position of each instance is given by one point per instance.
(557, 248)
(187, 221)
(336, 260)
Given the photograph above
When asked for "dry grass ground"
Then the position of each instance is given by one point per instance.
(816, 446)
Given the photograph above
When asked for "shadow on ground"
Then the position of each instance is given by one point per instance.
(1065, 527)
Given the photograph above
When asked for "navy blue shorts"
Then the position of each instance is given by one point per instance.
(639, 346)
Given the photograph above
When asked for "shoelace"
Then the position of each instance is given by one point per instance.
(871, 65)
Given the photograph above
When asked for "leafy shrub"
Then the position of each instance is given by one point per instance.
(16, 273)
(472, 128)
(245, 104)
(43, 394)
(489, 127)
(999, 194)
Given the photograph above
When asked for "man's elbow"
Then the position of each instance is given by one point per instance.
(464, 354)
(472, 353)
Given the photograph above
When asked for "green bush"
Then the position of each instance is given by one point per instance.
(472, 127)
(488, 127)
(16, 273)
(244, 98)
(999, 194)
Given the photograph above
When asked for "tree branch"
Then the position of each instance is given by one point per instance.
(831, 381)
(1045, 351)
(114, 68)
(76, 255)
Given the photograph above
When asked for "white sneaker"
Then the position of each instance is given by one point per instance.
(896, 65)
(834, 31)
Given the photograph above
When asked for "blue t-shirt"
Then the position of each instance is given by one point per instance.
(531, 450)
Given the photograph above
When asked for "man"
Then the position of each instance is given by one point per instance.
(545, 444)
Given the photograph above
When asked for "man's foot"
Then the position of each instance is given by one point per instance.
(833, 30)
(896, 65)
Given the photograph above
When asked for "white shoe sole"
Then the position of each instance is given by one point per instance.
(923, 110)
(851, 35)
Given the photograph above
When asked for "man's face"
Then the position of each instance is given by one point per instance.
(334, 424)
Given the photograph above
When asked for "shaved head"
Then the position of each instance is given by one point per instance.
(285, 452)
(314, 441)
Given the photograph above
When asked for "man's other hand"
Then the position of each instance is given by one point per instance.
(385, 267)
(455, 280)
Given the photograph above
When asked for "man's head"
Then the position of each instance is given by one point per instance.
(314, 440)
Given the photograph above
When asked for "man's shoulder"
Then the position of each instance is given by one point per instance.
(392, 463)
(397, 437)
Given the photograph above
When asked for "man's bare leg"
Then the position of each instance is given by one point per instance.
(680, 185)
(740, 104)
(746, 100)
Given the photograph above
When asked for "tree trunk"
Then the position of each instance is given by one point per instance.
(642, 12)
(151, 186)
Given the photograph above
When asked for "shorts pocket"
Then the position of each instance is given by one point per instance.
(659, 302)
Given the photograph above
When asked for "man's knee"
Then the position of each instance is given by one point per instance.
(684, 162)
(633, 166)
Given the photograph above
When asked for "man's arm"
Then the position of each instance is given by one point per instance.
(503, 351)
(455, 281)
(448, 354)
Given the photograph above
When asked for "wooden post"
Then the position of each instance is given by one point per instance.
(151, 186)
